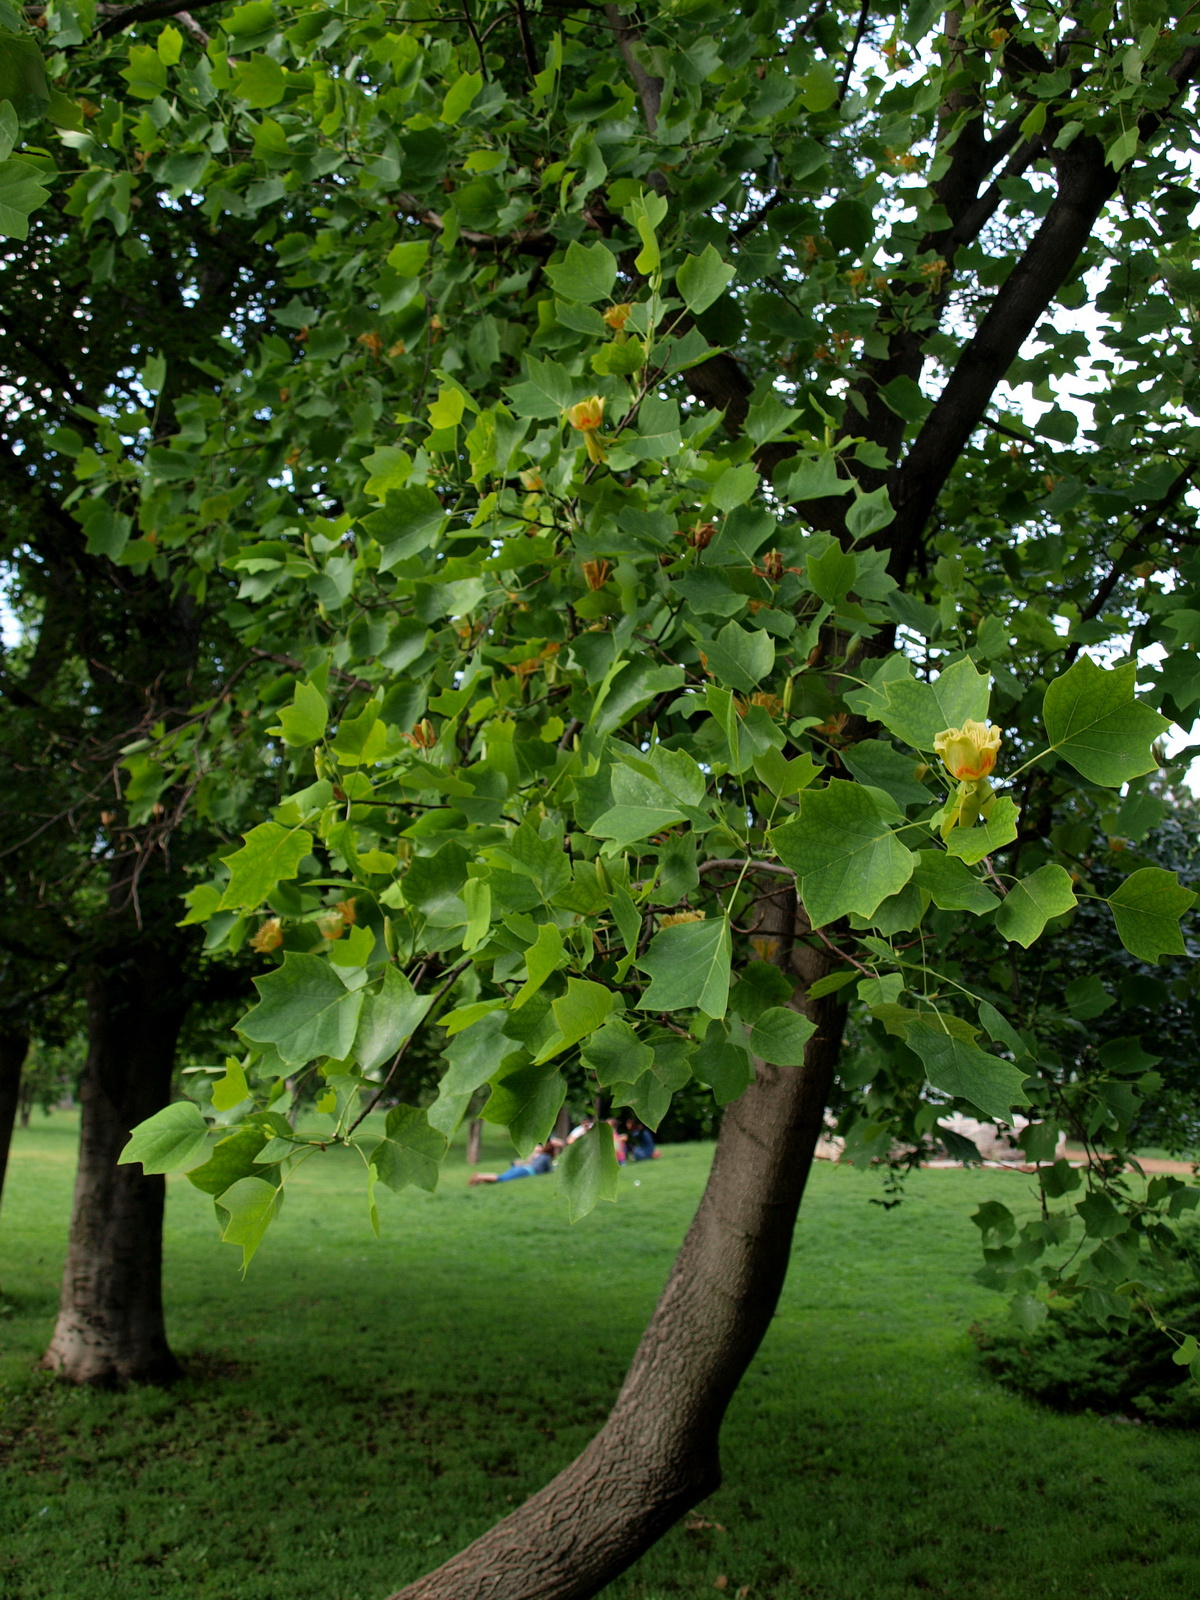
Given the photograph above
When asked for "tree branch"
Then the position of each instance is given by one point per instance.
(118, 18)
(649, 89)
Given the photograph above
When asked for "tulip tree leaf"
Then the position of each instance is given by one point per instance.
(950, 886)
(843, 852)
(703, 279)
(410, 1151)
(1031, 902)
(174, 1139)
(526, 1101)
(250, 1206)
(968, 1073)
(389, 1016)
(1094, 721)
(587, 273)
(588, 1171)
(616, 1054)
(780, 1035)
(972, 844)
(271, 854)
(1147, 908)
(304, 1010)
(689, 966)
(471, 1059)
(917, 712)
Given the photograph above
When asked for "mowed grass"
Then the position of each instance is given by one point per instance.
(357, 1410)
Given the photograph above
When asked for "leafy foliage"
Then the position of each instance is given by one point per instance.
(558, 638)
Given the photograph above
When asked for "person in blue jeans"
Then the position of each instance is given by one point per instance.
(534, 1166)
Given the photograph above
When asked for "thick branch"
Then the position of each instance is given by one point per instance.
(120, 18)
(649, 89)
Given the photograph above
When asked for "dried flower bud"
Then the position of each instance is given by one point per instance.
(269, 937)
(677, 917)
(702, 535)
(596, 573)
(348, 913)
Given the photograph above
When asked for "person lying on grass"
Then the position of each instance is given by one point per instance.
(533, 1166)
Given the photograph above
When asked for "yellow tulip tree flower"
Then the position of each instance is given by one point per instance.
(968, 755)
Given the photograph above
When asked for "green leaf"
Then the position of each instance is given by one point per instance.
(649, 1096)
(917, 712)
(408, 258)
(947, 882)
(461, 96)
(526, 1100)
(972, 844)
(271, 854)
(725, 1066)
(146, 73)
(734, 487)
(21, 193)
(305, 720)
(832, 573)
(869, 513)
(230, 1090)
(739, 658)
(304, 1010)
(963, 1070)
(688, 966)
(250, 1206)
(588, 1171)
(231, 1159)
(1147, 908)
(389, 1016)
(1031, 902)
(579, 1012)
(174, 1139)
(409, 521)
(410, 1152)
(843, 852)
(780, 1035)
(702, 279)
(586, 274)
(547, 391)
(544, 956)
(625, 825)
(261, 82)
(477, 897)
(476, 1053)
(1093, 720)
(810, 478)
(616, 1054)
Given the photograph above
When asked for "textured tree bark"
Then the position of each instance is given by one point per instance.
(14, 1046)
(657, 1454)
(110, 1325)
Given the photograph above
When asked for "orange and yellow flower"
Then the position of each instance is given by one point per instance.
(968, 753)
(587, 417)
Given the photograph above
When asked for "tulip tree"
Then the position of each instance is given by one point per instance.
(702, 499)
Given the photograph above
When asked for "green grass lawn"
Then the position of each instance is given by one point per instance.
(358, 1410)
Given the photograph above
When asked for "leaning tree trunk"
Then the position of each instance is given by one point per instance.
(657, 1454)
(110, 1325)
(14, 1046)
